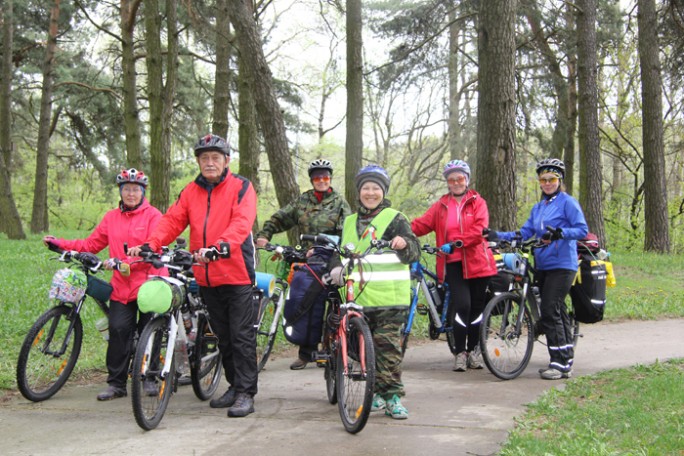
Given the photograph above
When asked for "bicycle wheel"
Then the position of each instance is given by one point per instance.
(356, 380)
(265, 340)
(206, 364)
(150, 391)
(506, 350)
(49, 353)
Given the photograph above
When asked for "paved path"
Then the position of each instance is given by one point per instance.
(450, 413)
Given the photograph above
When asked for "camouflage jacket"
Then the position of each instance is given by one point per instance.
(310, 216)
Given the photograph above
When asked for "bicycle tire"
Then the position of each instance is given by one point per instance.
(354, 386)
(505, 351)
(41, 369)
(150, 355)
(206, 364)
(265, 340)
(330, 373)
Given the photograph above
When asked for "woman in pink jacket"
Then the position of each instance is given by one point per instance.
(132, 223)
(457, 220)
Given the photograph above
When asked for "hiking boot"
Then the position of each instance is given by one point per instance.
(378, 403)
(150, 388)
(554, 374)
(243, 406)
(475, 359)
(224, 401)
(112, 392)
(298, 364)
(394, 409)
(460, 362)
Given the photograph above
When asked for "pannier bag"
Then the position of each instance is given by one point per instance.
(99, 289)
(305, 306)
(160, 294)
(68, 285)
(588, 293)
(501, 282)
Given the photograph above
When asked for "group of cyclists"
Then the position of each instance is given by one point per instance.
(220, 209)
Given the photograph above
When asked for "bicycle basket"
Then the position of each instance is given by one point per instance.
(160, 294)
(99, 289)
(68, 285)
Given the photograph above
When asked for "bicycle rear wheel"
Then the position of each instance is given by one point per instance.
(49, 353)
(506, 350)
(265, 340)
(356, 380)
(150, 391)
(206, 364)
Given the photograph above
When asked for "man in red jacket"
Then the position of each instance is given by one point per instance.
(220, 208)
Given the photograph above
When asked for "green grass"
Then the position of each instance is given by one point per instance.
(599, 415)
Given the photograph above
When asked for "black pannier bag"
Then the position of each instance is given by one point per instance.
(588, 293)
(501, 282)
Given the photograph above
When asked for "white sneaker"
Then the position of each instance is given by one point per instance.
(460, 362)
(475, 359)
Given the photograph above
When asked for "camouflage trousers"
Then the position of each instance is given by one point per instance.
(385, 326)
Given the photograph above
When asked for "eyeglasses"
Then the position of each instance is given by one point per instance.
(456, 180)
(318, 179)
(550, 180)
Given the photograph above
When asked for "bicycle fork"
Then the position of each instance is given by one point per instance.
(342, 337)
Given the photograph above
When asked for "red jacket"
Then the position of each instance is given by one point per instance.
(224, 212)
(117, 227)
(478, 260)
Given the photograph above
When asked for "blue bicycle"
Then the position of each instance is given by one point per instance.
(436, 302)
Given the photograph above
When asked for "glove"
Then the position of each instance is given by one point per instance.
(552, 234)
(447, 248)
(334, 277)
(491, 236)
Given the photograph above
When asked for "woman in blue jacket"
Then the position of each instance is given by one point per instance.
(556, 263)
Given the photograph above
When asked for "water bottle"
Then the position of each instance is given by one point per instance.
(102, 326)
(189, 327)
(434, 292)
(536, 294)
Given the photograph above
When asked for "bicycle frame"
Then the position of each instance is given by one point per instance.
(418, 272)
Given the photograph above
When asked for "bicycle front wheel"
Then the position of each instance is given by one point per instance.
(506, 348)
(206, 365)
(150, 389)
(265, 340)
(355, 375)
(49, 353)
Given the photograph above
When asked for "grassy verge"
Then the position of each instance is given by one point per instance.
(598, 415)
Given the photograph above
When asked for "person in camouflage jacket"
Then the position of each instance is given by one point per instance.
(320, 210)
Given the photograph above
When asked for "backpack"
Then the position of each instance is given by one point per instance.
(588, 293)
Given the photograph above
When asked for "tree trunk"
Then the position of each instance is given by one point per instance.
(131, 120)
(354, 139)
(657, 236)
(163, 194)
(10, 222)
(496, 111)
(222, 75)
(569, 146)
(260, 81)
(39, 216)
(591, 173)
(454, 92)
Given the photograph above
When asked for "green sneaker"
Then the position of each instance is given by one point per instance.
(378, 403)
(394, 409)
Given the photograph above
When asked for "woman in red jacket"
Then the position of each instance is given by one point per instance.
(132, 222)
(458, 219)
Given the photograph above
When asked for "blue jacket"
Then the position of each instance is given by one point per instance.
(561, 211)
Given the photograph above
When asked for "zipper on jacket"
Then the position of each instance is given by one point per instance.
(204, 233)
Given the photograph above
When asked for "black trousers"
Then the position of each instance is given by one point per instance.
(468, 300)
(233, 314)
(123, 322)
(554, 286)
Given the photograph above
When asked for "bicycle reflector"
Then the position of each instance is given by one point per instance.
(160, 294)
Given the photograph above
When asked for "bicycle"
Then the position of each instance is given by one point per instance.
(347, 351)
(52, 346)
(182, 332)
(437, 296)
(270, 314)
(511, 320)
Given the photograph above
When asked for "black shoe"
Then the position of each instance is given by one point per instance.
(298, 364)
(227, 400)
(244, 405)
(112, 392)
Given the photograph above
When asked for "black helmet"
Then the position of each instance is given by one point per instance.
(212, 142)
(320, 164)
(551, 164)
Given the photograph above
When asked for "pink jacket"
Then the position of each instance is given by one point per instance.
(132, 227)
(478, 260)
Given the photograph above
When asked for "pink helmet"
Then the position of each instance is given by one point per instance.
(132, 176)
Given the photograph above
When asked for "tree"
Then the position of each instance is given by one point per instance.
(657, 237)
(591, 172)
(496, 111)
(128, 12)
(354, 140)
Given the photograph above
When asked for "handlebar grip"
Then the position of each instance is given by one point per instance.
(380, 244)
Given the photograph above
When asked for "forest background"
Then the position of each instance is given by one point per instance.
(90, 87)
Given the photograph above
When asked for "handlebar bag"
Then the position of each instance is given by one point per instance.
(305, 306)
(588, 293)
(68, 285)
(99, 289)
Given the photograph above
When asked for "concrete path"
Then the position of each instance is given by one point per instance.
(450, 413)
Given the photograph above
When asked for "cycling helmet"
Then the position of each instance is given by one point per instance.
(320, 164)
(132, 175)
(212, 142)
(373, 173)
(552, 165)
(456, 165)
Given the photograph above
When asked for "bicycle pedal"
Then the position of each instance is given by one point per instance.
(422, 309)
